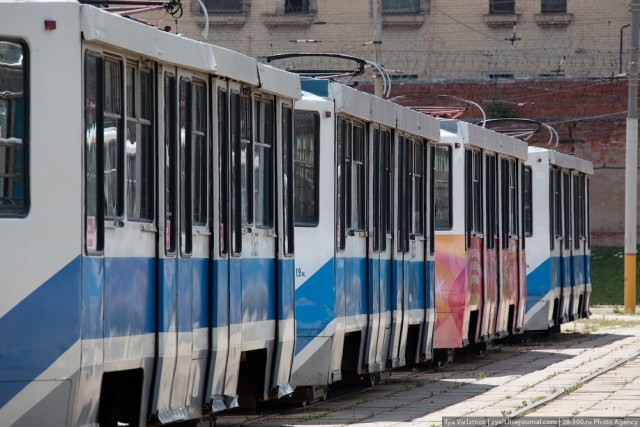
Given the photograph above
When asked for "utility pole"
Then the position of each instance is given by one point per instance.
(377, 42)
(631, 168)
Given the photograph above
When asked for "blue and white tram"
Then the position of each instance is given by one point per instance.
(363, 235)
(556, 221)
(146, 221)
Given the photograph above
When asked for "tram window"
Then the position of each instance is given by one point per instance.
(94, 200)
(566, 211)
(112, 131)
(491, 177)
(587, 211)
(442, 187)
(376, 207)
(263, 163)
(139, 151)
(199, 154)
(359, 177)
(14, 126)
(341, 137)
(432, 222)
(287, 176)
(579, 210)
(223, 162)
(405, 162)
(185, 171)
(170, 161)
(245, 160)
(237, 121)
(387, 187)
(527, 201)
(418, 189)
(513, 199)
(305, 167)
(555, 212)
(473, 211)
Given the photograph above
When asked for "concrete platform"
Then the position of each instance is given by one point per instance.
(503, 383)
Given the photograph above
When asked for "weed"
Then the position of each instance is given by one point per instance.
(521, 405)
(575, 412)
(481, 376)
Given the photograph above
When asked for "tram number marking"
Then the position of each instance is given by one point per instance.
(300, 273)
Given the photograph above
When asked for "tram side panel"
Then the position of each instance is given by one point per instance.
(543, 292)
(316, 293)
(40, 216)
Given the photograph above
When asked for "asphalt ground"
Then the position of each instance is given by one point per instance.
(587, 375)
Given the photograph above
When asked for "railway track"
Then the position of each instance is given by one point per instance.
(509, 382)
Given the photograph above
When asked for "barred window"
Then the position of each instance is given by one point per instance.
(554, 6)
(224, 6)
(400, 6)
(502, 6)
(296, 6)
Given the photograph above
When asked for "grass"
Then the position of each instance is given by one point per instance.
(607, 276)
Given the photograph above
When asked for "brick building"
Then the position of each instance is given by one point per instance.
(558, 61)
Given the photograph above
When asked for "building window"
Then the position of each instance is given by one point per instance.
(502, 6)
(554, 6)
(400, 6)
(224, 6)
(296, 6)
(14, 125)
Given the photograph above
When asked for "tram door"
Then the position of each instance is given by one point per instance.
(555, 242)
(474, 244)
(490, 260)
(565, 247)
(510, 256)
(401, 251)
(579, 246)
(183, 303)
(120, 228)
(252, 242)
(351, 248)
(380, 247)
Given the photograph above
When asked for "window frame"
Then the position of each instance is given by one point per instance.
(134, 115)
(263, 144)
(527, 201)
(240, 9)
(553, 6)
(502, 7)
(449, 195)
(315, 217)
(22, 211)
(416, 8)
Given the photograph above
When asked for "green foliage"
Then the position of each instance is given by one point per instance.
(607, 276)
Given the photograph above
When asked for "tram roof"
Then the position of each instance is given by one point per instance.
(567, 161)
(105, 27)
(473, 135)
(371, 108)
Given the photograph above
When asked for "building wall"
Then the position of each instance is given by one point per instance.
(447, 40)
(560, 68)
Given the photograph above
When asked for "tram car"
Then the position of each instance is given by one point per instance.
(146, 220)
(556, 225)
(479, 240)
(363, 236)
